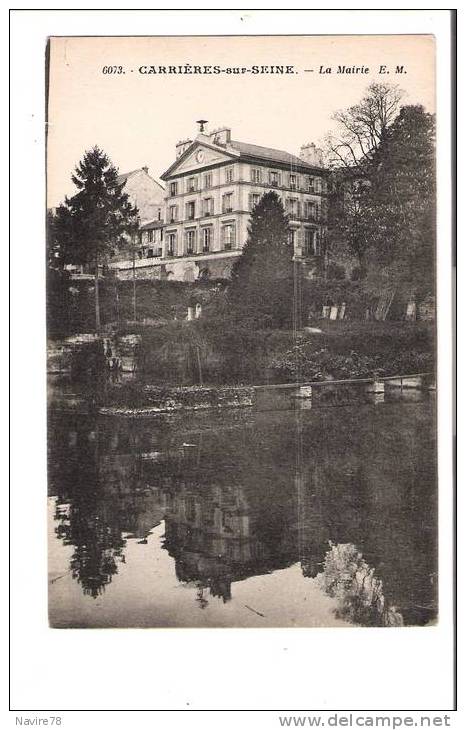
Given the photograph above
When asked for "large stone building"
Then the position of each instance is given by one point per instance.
(212, 187)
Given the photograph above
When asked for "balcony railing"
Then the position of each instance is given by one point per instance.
(227, 210)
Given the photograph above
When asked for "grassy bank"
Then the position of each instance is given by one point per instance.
(215, 352)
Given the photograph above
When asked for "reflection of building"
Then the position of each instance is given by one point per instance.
(215, 534)
(213, 186)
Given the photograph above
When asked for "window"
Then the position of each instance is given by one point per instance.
(208, 206)
(150, 236)
(293, 181)
(227, 203)
(173, 213)
(292, 236)
(317, 185)
(208, 180)
(190, 210)
(206, 239)
(274, 178)
(310, 184)
(161, 234)
(171, 251)
(312, 242)
(317, 247)
(174, 188)
(293, 207)
(229, 174)
(191, 185)
(150, 253)
(311, 209)
(255, 175)
(159, 215)
(253, 200)
(228, 236)
(190, 241)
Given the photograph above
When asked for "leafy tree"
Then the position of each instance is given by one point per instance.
(351, 152)
(382, 204)
(398, 215)
(362, 127)
(261, 289)
(97, 220)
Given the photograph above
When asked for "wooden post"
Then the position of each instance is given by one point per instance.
(134, 282)
(96, 295)
(199, 364)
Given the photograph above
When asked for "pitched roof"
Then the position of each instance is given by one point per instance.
(125, 175)
(122, 177)
(269, 153)
(247, 150)
(155, 223)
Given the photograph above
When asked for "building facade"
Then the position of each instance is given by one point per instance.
(145, 193)
(212, 188)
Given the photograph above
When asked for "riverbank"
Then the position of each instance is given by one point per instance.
(153, 400)
(134, 399)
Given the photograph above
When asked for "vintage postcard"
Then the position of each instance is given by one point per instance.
(241, 331)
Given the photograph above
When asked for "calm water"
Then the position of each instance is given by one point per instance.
(326, 517)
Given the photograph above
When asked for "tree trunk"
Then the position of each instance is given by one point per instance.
(134, 283)
(97, 302)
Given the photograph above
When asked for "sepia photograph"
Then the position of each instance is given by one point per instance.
(241, 318)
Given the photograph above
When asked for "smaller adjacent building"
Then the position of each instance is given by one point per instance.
(145, 193)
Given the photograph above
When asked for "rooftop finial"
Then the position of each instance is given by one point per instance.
(202, 123)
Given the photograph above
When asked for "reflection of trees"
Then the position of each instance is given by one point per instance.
(94, 469)
(358, 591)
(98, 545)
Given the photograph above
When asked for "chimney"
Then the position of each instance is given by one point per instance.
(312, 155)
(221, 136)
(145, 169)
(202, 125)
(182, 146)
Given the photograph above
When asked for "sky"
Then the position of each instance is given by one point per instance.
(138, 118)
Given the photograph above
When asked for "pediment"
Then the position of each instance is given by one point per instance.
(197, 157)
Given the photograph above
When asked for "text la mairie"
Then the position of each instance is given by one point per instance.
(211, 189)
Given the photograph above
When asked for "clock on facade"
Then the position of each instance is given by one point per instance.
(200, 155)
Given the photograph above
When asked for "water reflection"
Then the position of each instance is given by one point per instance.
(349, 495)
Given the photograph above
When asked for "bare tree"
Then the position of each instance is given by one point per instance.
(362, 127)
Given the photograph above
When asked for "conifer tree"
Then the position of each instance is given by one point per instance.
(261, 290)
(98, 219)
